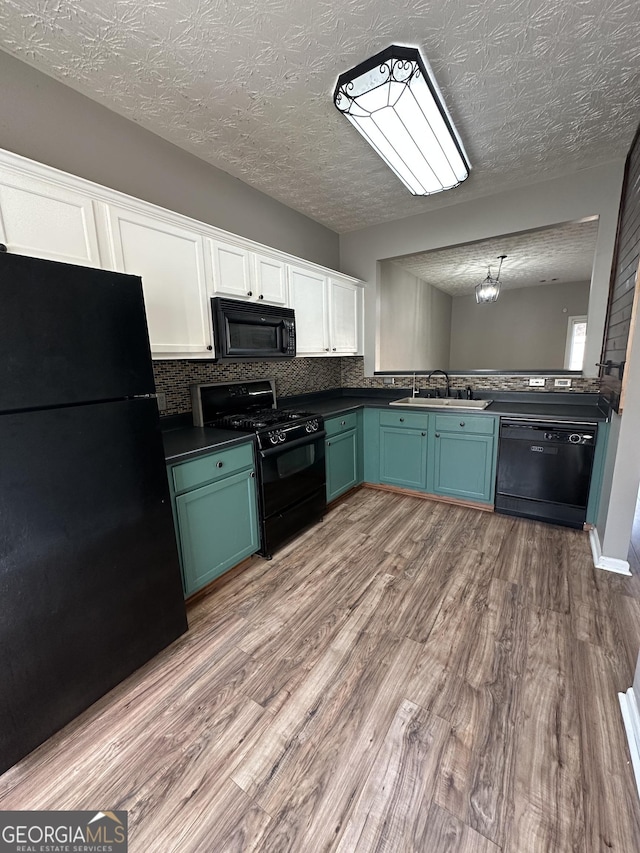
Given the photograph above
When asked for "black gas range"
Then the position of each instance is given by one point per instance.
(290, 453)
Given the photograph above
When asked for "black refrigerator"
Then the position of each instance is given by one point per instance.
(90, 583)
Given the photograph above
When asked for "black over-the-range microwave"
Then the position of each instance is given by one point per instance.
(246, 330)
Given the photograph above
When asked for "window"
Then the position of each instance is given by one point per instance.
(576, 339)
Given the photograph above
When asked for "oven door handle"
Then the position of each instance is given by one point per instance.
(299, 442)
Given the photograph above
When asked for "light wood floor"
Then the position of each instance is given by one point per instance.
(408, 676)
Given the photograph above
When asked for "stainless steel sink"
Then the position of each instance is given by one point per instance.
(441, 403)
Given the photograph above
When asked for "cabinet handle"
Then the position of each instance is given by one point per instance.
(328, 444)
(423, 433)
(334, 349)
(3, 248)
(401, 420)
(249, 293)
(326, 349)
(209, 347)
(343, 423)
(219, 464)
(437, 435)
(461, 423)
(253, 475)
(261, 296)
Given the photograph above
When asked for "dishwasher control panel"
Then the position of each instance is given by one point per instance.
(541, 433)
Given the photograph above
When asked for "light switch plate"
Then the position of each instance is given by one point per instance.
(537, 382)
(562, 383)
(162, 401)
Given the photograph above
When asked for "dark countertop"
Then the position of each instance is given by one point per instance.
(189, 442)
(561, 408)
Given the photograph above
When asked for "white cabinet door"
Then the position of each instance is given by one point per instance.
(270, 277)
(344, 316)
(170, 260)
(308, 298)
(231, 270)
(46, 220)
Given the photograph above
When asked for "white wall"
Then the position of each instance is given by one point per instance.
(589, 192)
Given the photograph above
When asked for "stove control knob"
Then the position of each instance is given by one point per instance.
(311, 426)
(281, 435)
(273, 437)
(575, 438)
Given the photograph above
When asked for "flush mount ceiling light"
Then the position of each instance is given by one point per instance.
(489, 289)
(393, 101)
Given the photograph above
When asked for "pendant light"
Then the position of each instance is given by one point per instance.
(393, 101)
(489, 289)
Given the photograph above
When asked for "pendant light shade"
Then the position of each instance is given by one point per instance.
(489, 289)
(392, 100)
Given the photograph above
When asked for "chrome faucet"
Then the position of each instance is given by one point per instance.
(446, 376)
(414, 390)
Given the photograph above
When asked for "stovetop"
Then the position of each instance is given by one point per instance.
(273, 427)
(260, 419)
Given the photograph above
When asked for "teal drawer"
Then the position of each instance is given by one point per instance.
(415, 420)
(213, 466)
(341, 423)
(461, 422)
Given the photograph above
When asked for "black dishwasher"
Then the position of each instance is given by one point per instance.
(544, 470)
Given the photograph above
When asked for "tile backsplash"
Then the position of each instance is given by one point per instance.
(305, 375)
(294, 376)
(352, 376)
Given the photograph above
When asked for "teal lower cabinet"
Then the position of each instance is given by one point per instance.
(403, 449)
(217, 522)
(597, 473)
(343, 453)
(463, 457)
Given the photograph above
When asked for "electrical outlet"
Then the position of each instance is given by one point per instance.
(536, 382)
(162, 401)
(388, 380)
(562, 383)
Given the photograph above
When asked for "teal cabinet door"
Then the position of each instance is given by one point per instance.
(463, 466)
(597, 473)
(403, 457)
(218, 527)
(341, 454)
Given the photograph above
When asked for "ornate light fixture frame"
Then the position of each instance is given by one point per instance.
(393, 101)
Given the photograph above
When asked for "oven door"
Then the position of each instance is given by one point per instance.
(291, 473)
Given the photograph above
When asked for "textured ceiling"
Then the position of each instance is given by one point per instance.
(561, 253)
(537, 88)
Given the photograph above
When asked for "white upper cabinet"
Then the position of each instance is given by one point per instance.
(46, 220)
(308, 298)
(328, 313)
(344, 317)
(231, 270)
(242, 274)
(50, 214)
(270, 277)
(170, 260)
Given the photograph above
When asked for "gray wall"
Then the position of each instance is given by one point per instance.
(525, 328)
(589, 192)
(414, 322)
(53, 124)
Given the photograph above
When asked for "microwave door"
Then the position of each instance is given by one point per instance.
(244, 336)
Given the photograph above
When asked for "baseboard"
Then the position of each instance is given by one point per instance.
(631, 717)
(609, 564)
(398, 490)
